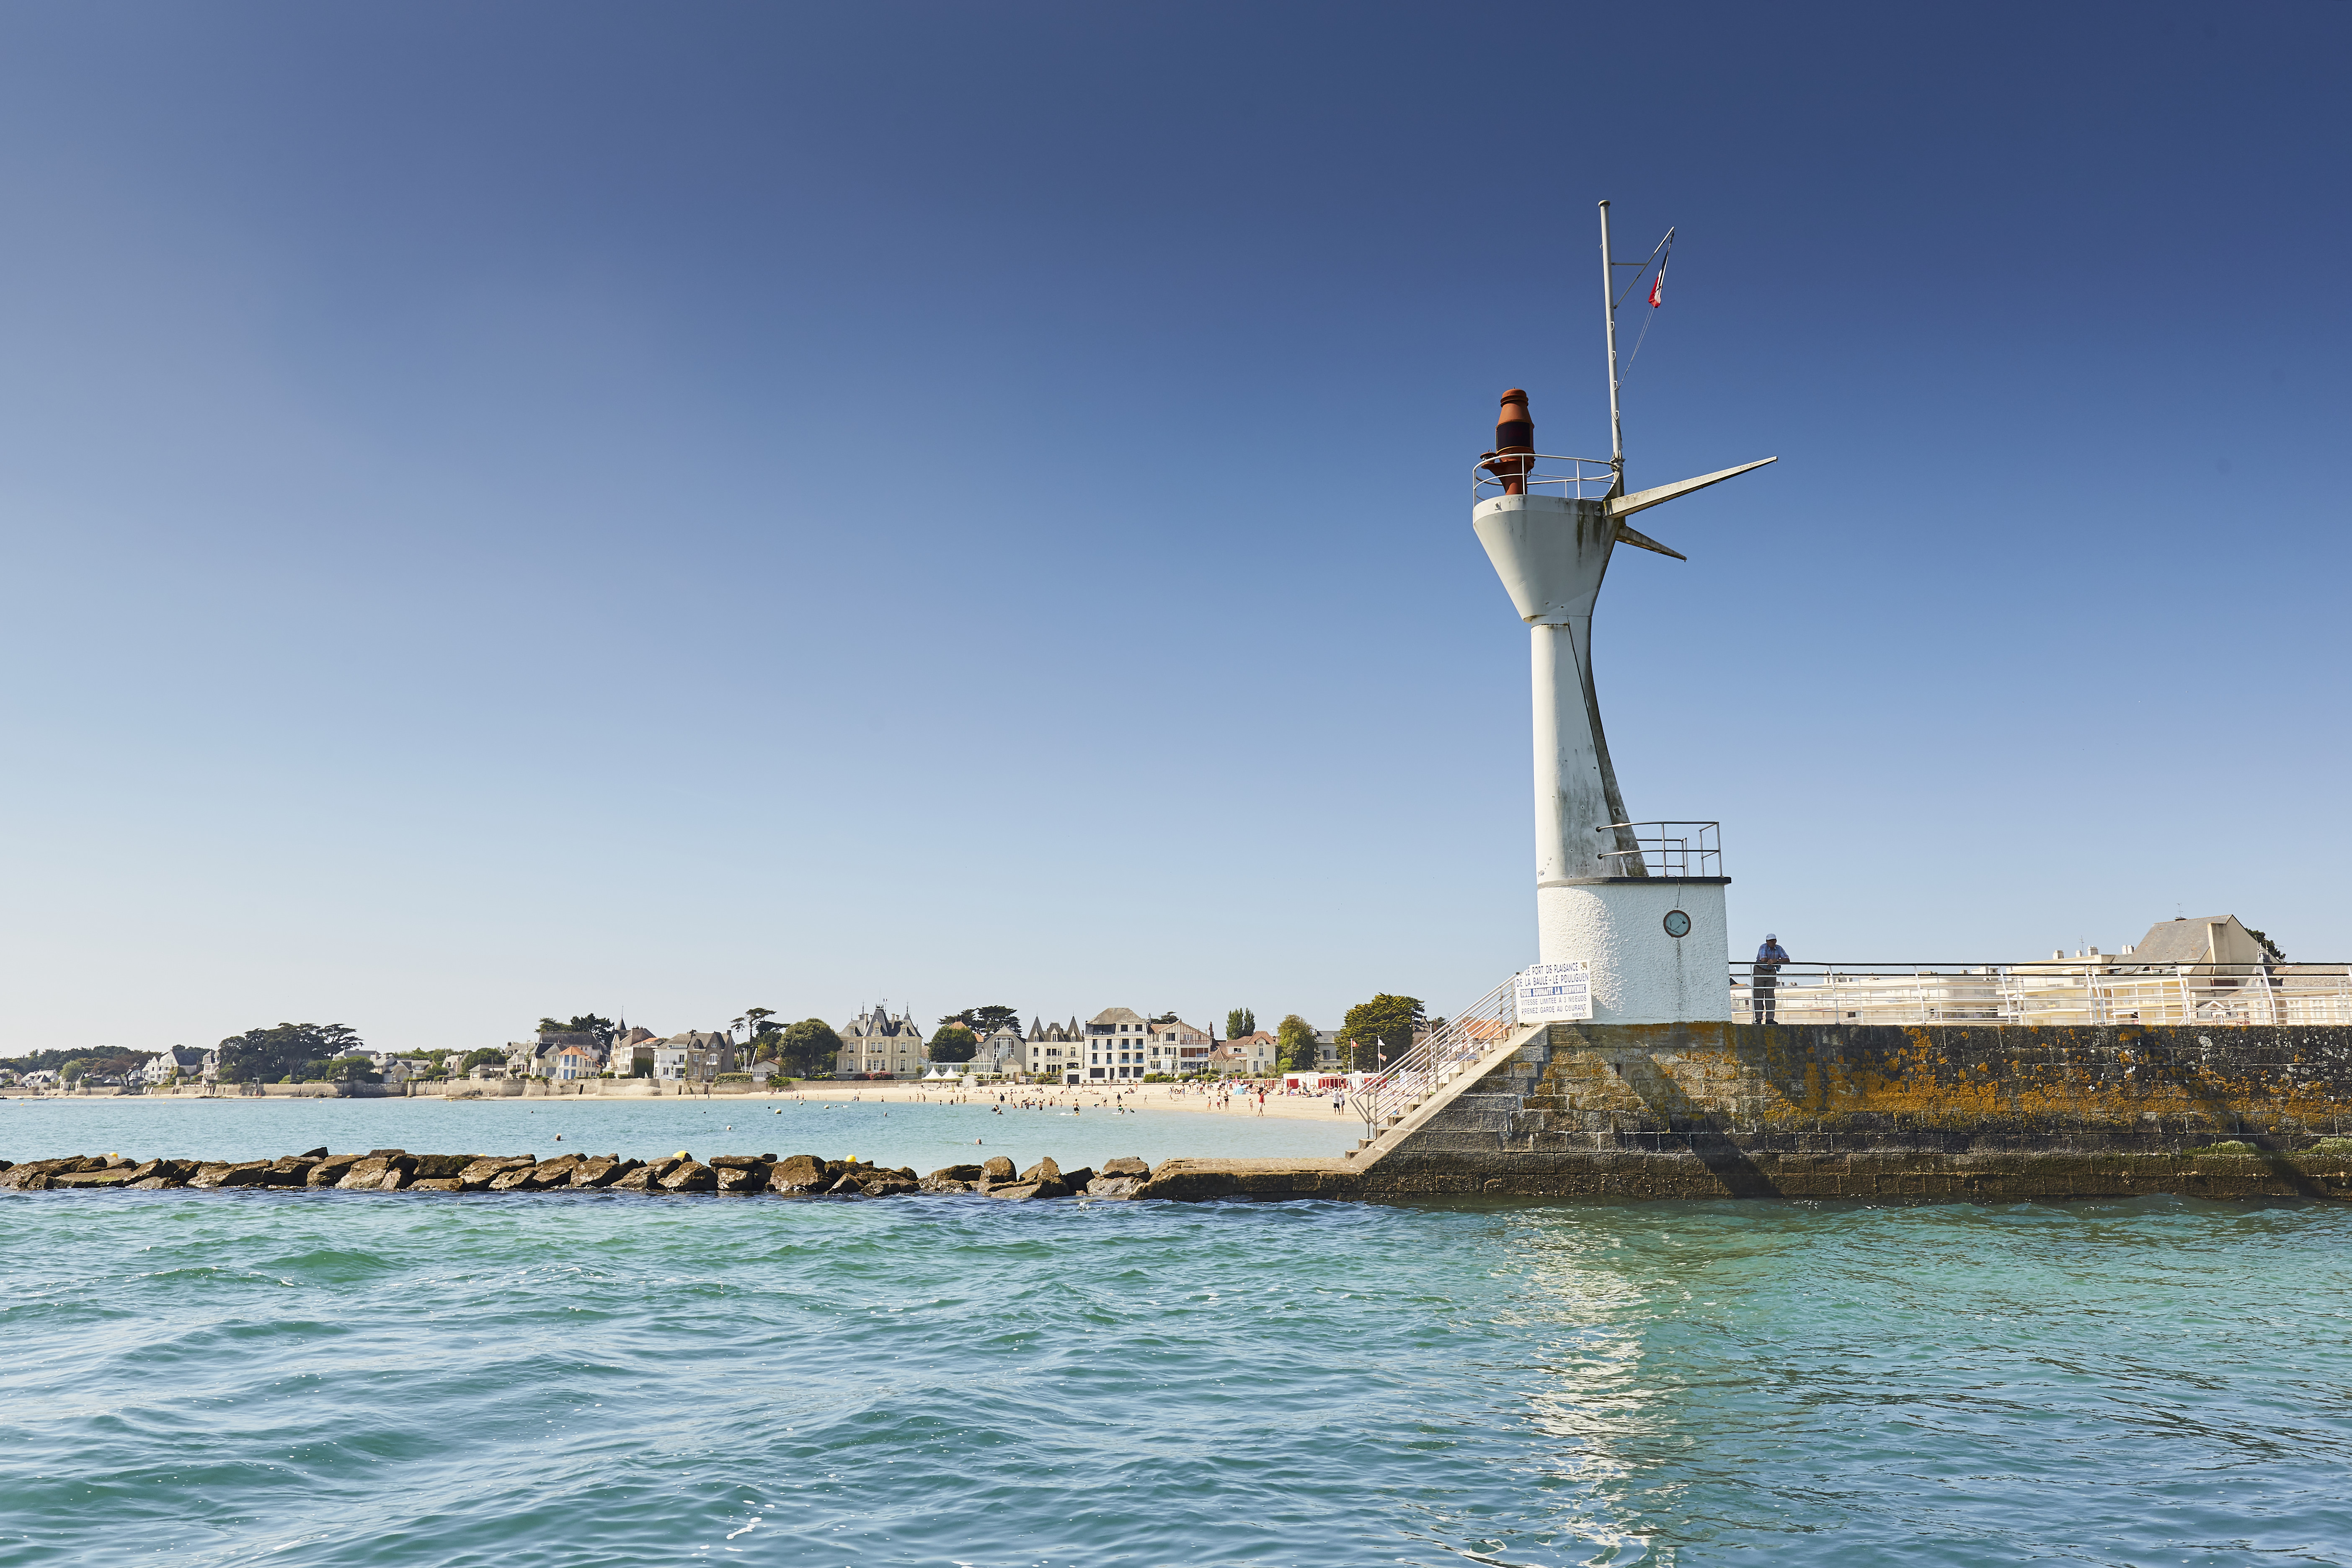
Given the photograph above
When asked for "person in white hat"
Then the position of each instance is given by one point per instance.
(1767, 979)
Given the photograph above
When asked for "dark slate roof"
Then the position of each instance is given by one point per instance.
(2177, 942)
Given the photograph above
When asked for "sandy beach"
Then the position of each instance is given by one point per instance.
(1084, 1100)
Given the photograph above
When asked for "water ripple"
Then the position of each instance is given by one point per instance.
(224, 1378)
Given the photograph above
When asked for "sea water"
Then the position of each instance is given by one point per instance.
(924, 1135)
(352, 1378)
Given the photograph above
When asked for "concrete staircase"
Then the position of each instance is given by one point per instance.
(1524, 1049)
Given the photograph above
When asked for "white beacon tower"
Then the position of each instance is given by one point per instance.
(1640, 904)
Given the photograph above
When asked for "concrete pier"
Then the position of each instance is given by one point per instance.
(1701, 1111)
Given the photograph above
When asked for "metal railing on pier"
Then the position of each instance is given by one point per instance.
(1452, 1046)
(2057, 992)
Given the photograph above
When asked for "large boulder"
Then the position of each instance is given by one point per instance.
(378, 1172)
(246, 1173)
(639, 1180)
(479, 1172)
(33, 1175)
(945, 1184)
(743, 1178)
(690, 1176)
(1115, 1186)
(293, 1170)
(960, 1173)
(797, 1174)
(441, 1167)
(1021, 1192)
(1125, 1166)
(555, 1173)
(330, 1170)
(514, 1178)
(156, 1184)
(435, 1184)
(1076, 1180)
(601, 1171)
(1045, 1170)
(740, 1161)
(105, 1176)
(996, 1168)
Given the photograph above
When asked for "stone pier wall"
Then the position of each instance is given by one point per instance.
(1738, 1110)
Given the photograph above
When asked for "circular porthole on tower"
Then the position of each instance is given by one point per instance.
(1678, 923)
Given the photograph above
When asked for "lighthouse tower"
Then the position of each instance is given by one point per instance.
(1638, 904)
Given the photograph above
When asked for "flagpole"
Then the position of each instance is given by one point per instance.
(1609, 309)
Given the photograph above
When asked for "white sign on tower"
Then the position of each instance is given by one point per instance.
(1547, 992)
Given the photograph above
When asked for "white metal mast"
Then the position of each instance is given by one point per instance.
(1608, 311)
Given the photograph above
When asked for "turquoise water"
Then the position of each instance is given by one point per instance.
(325, 1378)
(924, 1136)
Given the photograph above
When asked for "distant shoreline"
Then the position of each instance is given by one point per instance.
(1140, 1097)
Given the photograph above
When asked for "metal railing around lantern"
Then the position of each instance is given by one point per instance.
(1577, 478)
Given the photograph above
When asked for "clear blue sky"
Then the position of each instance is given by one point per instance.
(528, 508)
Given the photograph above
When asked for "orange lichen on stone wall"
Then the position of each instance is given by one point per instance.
(1954, 1079)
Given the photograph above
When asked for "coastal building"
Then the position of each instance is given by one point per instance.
(1058, 1050)
(575, 1062)
(1252, 1056)
(180, 1061)
(1175, 1047)
(1115, 1044)
(696, 1056)
(880, 1043)
(1058, 1059)
(1001, 1051)
(632, 1055)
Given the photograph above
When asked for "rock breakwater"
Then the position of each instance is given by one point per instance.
(398, 1171)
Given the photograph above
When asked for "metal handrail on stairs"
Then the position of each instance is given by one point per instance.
(1402, 1086)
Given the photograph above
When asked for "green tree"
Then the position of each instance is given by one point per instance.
(2267, 945)
(810, 1049)
(954, 1043)
(984, 1021)
(1294, 1043)
(1383, 1024)
(473, 1059)
(343, 1069)
(1239, 1021)
(581, 1023)
(272, 1054)
(755, 1019)
(72, 1071)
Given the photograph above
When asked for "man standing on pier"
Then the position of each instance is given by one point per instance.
(1766, 978)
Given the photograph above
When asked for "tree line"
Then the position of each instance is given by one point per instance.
(1377, 1031)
